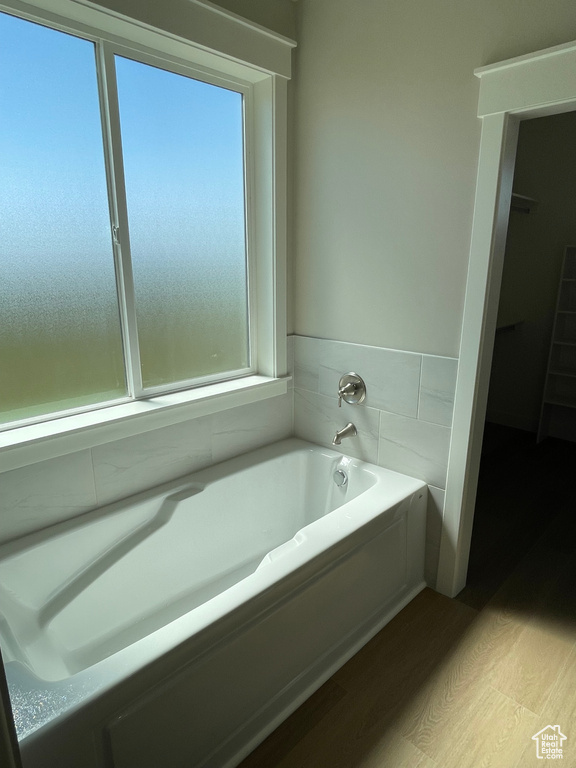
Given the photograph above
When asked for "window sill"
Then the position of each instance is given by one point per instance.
(38, 442)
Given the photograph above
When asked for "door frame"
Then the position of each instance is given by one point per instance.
(535, 85)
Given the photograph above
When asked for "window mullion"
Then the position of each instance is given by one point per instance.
(119, 215)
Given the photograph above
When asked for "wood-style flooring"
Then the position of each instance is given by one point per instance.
(466, 683)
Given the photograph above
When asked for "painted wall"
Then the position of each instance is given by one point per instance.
(386, 157)
(546, 171)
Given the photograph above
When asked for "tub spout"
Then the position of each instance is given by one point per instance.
(348, 431)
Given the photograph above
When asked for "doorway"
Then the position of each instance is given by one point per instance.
(531, 86)
(541, 225)
(524, 486)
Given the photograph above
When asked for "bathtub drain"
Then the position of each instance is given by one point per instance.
(340, 477)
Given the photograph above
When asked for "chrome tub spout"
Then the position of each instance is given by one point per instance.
(348, 431)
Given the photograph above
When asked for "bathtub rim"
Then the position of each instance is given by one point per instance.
(195, 634)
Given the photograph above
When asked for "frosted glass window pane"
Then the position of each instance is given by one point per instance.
(183, 161)
(60, 339)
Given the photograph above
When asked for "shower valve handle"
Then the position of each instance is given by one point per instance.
(351, 389)
(348, 390)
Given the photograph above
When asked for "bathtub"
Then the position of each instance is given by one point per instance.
(180, 626)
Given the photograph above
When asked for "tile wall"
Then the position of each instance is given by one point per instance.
(404, 424)
(40, 494)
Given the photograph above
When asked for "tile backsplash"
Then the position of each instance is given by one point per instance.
(404, 424)
(437, 386)
(41, 494)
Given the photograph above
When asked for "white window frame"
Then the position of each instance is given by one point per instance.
(106, 53)
(220, 47)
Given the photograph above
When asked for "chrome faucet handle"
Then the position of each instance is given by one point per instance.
(348, 390)
(351, 389)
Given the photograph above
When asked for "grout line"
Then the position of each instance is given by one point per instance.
(420, 387)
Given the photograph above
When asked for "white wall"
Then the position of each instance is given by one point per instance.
(546, 171)
(386, 154)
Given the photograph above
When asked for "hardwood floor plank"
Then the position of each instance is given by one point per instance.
(463, 675)
(531, 667)
(353, 735)
(396, 661)
(293, 730)
(527, 589)
(485, 728)
(559, 607)
(561, 705)
(461, 681)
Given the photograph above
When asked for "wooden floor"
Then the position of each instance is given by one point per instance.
(465, 683)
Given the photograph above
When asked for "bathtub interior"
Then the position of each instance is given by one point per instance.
(74, 594)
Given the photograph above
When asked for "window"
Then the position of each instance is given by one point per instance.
(124, 267)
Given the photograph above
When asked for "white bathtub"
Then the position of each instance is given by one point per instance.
(180, 626)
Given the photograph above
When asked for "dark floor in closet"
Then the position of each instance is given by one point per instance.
(524, 489)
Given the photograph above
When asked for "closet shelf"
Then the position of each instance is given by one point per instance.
(563, 372)
(564, 402)
(522, 204)
(502, 327)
